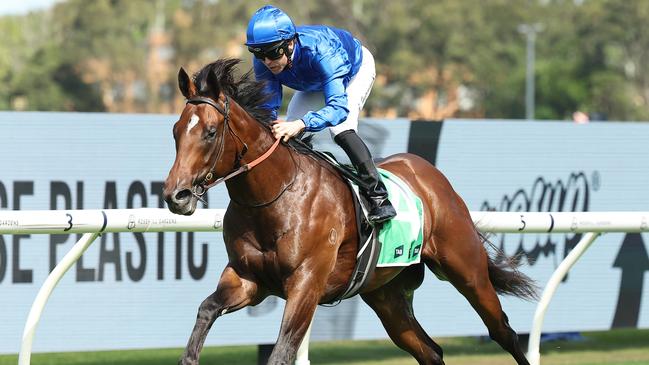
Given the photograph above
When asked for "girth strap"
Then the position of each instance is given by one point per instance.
(369, 250)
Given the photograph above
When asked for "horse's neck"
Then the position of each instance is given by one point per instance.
(268, 180)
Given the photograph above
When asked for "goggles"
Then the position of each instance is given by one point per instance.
(273, 52)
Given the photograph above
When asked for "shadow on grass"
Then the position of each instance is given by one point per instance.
(329, 353)
(618, 339)
(368, 351)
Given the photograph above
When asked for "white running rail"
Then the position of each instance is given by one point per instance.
(94, 222)
(591, 223)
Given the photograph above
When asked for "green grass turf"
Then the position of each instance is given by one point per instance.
(619, 347)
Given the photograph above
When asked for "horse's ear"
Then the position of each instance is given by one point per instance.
(185, 84)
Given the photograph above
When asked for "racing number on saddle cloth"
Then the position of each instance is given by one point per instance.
(401, 237)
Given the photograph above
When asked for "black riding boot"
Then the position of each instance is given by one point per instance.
(374, 191)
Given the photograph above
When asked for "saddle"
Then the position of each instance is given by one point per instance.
(374, 247)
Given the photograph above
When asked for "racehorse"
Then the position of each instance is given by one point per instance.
(290, 227)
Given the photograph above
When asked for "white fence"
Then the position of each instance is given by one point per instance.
(94, 222)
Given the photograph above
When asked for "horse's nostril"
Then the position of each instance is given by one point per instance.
(183, 195)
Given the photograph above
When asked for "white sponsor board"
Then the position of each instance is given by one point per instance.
(134, 290)
(560, 166)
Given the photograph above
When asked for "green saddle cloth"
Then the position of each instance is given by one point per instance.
(401, 237)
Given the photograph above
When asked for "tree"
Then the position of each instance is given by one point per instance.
(435, 60)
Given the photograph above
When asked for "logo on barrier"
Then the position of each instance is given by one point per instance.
(572, 194)
(131, 222)
(9, 223)
(218, 222)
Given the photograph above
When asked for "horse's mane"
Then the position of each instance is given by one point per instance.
(249, 93)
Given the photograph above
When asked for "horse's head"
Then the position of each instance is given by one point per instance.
(200, 142)
(207, 145)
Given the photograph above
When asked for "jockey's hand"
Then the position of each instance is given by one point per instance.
(287, 130)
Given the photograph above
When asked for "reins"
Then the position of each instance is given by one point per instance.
(200, 189)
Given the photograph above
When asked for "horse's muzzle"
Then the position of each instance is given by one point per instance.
(181, 201)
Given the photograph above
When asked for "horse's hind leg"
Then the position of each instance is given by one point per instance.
(465, 265)
(393, 304)
(232, 293)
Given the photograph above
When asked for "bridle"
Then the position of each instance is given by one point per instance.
(201, 188)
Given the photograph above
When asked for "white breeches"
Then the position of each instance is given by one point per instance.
(357, 92)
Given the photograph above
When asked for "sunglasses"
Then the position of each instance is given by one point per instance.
(273, 52)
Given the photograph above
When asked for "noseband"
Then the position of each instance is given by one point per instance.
(201, 188)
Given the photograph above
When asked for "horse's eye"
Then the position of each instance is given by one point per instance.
(211, 133)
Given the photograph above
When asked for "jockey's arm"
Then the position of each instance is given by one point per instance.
(333, 70)
(333, 113)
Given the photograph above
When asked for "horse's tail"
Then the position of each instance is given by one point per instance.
(505, 277)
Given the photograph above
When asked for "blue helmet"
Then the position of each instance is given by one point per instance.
(269, 25)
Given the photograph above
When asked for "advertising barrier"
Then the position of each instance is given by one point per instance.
(144, 288)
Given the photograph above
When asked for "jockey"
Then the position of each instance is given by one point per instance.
(332, 75)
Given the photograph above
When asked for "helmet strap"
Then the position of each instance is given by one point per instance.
(289, 52)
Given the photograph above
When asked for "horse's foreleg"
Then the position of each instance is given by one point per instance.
(300, 307)
(232, 293)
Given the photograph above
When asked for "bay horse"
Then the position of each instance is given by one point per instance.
(290, 227)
